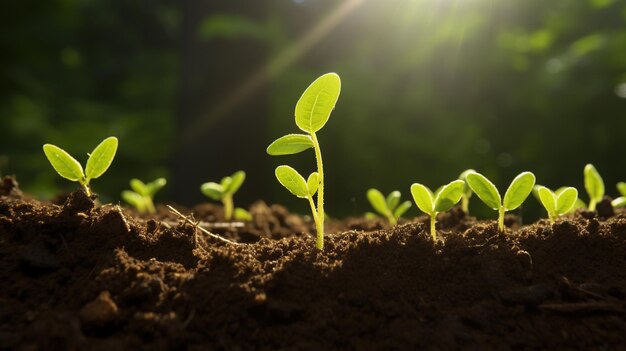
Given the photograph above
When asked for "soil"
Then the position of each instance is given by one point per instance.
(81, 276)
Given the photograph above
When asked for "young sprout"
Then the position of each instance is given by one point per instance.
(557, 203)
(620, 201)
(142, 195)
(389, 207)
(224, 192)
(594, 186)
(442, 200)
(515, 195)
(312, 112)
(467, 191)
(98, 162)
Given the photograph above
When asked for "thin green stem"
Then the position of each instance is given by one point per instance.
(227, 201)
(313, 210)
(501, 218)
(320, 194)
(433, 231)
(465, 204)
(392, 220)
(592, 205)
(149, 204)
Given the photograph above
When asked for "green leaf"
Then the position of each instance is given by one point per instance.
(139, 187)
(317, 102)
(467, 191)
(371, 215)
(579, 205)
(101, 158)
(621, 187)
(566, 199)
(449, 195)
(212, 190)
(401, 209)
(393, 199)
(312, 183)
(242, 215)
(236, 180)
(484, 189)
(423, 197)
(593, 183)
(377, 200)
(519, 190)
(619, 202)
(135, 200)
(548, 200)
(290, 144)
(293, 181)
(63, 163)
(156, 185)
(225, 183)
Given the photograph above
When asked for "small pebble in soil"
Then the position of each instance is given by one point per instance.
(605, 209)
(100, 311)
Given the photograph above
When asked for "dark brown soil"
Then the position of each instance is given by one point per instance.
(79, 276)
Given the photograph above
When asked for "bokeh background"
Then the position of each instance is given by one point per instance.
(196, 90)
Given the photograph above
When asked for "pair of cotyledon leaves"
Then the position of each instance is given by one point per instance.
(517, 192)
(312, 112)
(142, 193)
(558, 202)
(228, 185)
(68, 167)
(389, 206)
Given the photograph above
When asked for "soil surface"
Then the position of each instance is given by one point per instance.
(81, 276)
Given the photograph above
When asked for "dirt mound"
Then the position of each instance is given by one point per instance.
(80, 276)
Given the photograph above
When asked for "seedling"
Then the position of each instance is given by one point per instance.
(389, 207)
(312, 112)
(620, 201)
(594, 186)
(99, 161)
(442, 200)
(224, 192)
(515, 195)
(467, 191)
(557, 203)
(142, 195)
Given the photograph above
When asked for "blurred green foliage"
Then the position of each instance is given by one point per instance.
(430, 88)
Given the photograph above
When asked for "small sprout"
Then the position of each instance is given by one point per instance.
(224, 192)
(67, 167)
(620, 201)
(594, 186)
(515, 195)
(557, 203)
(467, 191)
(142, 195)
(312, 112)
(389, 207)
(442, 200)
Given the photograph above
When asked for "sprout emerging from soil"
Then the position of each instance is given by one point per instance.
(620, 201)
(312, 112)
(67, 167)
(442, 200)
(467, 191)
(389, 207)
(557, 203)
(594, 186)
(515, 195)
(142, 195)
(224, 192)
